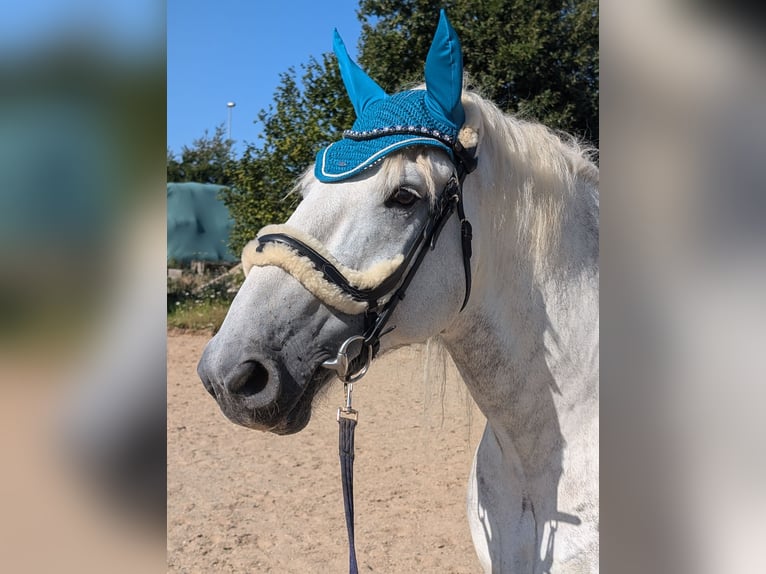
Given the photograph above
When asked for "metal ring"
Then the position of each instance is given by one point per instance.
(341, 362)
(352, 378)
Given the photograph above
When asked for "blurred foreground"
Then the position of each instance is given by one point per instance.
(82, 289)
(684, 288)
(82, 322)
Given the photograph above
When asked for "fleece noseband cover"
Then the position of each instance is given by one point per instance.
(303, 269)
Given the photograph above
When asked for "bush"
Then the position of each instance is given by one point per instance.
(200, 302)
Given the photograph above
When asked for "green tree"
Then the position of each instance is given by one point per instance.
(534, 58)
(205, 161)
(307, 114)
(174, 167)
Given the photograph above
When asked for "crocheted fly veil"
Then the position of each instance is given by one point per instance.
(384, 124)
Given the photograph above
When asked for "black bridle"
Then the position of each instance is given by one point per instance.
(376, 317)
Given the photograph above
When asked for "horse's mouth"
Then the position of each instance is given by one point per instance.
(299, 414)
(275, 395)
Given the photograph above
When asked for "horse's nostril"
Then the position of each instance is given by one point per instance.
(209, 388)
(250, 380)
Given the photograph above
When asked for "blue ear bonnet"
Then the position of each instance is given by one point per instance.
(384, 124)
(399, 121)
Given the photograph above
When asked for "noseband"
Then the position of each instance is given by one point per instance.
(378, 314)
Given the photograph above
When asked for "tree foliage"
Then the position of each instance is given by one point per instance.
(306, 115)
(534, 58)
(204, 162)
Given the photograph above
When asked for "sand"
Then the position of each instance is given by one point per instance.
(245, 501)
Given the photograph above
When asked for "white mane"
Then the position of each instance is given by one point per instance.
(546, 183)
(547, 179)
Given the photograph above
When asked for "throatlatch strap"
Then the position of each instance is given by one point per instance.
(346, 428)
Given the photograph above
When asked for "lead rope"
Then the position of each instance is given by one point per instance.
(347, 420)
(348, 417)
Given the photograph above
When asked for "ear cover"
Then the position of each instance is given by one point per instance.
(385, 124)
(444, 74)
(362, 90)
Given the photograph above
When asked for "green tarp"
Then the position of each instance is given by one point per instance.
(198, 223)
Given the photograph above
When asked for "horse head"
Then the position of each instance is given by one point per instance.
(373, 222)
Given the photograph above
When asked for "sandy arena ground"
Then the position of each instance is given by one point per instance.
(249, 502)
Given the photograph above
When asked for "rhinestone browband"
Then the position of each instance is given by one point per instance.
(400, 130)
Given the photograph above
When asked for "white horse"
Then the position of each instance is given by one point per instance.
(526, 343)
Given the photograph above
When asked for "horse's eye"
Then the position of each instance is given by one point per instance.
(404, 197)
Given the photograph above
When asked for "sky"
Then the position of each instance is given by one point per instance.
(122, 25)
(235, 50)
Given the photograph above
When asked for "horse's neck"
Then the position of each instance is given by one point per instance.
(528, 352)
(529, 339)
(533, 365)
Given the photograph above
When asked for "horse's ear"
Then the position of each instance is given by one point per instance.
(360, 87)
(444, 73)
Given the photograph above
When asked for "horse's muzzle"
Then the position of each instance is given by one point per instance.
(246, 393)
(249, 382)
(259, 392)
(250, 379)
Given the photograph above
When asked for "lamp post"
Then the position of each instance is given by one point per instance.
(230, 105)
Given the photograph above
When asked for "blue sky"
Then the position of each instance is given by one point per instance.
(124, 26)
(234, 50)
